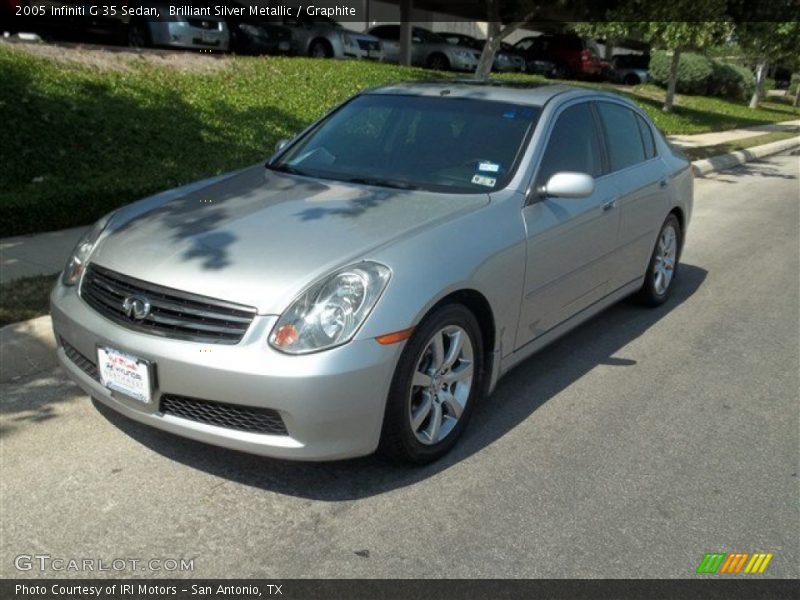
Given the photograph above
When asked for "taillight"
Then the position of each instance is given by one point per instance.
(586, 55)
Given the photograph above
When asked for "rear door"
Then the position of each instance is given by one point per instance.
(640, 178)
(570, 241)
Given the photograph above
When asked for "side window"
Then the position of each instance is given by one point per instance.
(647, 138)
(523, 44)
(623, 137)
(387, 32)
(573, 145)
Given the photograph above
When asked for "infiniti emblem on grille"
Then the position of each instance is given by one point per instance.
(136, 307)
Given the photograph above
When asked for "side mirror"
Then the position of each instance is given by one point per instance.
(281, 145)
(568, 184)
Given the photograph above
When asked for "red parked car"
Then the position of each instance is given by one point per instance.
(573, 55)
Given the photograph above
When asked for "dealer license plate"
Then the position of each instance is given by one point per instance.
(124, 373)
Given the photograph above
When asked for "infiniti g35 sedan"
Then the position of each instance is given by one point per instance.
(368, 286)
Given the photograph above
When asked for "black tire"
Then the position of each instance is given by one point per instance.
(631, 79)
(649, 294)
(438, 62)
(320, 49)
(139, 34)
(398, 440)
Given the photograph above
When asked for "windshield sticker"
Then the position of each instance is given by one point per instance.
(483, 180)
(510, 114)
(489, 167)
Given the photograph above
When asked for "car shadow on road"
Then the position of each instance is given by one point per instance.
(517, 397)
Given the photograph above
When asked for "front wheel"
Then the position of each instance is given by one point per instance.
(435, 386)
(663, 264)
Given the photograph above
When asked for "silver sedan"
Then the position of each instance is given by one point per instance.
(368, 286)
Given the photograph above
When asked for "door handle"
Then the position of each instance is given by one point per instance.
(609, 204)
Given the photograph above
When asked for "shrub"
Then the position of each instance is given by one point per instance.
(694, 71)
(698, 74)
(731, 81)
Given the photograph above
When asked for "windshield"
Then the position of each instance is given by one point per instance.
(415, 142)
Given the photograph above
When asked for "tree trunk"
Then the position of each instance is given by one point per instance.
(486, 61)
(673, 81)
(761, 75)
(797, 95)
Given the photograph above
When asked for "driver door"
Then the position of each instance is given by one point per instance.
(571, 242)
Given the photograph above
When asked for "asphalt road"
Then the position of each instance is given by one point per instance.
(628, 449)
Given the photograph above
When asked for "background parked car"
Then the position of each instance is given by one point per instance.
(572, 55)
(254, 35)
(505, 60)
(195, 33)
(427, 49)
(325, 38)
(630, 69)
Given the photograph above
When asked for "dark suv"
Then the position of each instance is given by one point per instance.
(573, 55)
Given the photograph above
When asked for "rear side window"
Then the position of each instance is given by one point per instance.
(647, 138)
(387, 32)
(625, 147)
(573, 145)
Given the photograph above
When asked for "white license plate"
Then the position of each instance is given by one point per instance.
(124, 373)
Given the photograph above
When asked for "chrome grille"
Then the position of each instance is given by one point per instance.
(84, 364)
(173, 313)
(231, 416)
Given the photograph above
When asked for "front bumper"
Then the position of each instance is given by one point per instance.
(180, 34)
(331, 402)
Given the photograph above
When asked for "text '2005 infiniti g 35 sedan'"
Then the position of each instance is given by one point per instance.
(369, 284)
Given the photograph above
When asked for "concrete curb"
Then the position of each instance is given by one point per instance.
(28, 347)
(740, 157)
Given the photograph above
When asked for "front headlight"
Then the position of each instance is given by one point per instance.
(347, 40)
(82, 251)
(330, 312)
(464, 54)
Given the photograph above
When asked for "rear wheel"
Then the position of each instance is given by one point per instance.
(631, 79)
(320, 49)
(438, 62)
(663, 264)
(435, 386)
(139, 34)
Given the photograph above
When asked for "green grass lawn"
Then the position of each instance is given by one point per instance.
(80, 140)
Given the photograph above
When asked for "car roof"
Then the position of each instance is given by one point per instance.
(496, 90)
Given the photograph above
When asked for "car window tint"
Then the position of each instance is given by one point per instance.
(623, 137)
(387, 32)
(442, 144)
(573, 145)
(647, 137)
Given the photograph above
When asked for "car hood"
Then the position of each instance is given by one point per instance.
(258, 237)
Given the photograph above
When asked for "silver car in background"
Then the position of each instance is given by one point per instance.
(428, 49)
(321, 37)
(370, 284)
(185, 32)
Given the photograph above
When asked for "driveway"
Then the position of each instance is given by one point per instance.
(630, 448)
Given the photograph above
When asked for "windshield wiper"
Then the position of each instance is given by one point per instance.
(284, 168)
(377, 181)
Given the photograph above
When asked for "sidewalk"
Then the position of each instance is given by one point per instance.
(723, 137)
(46, 253)
(37, 254)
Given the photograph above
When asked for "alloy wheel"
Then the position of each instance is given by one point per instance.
(441, 385)
(664, 264)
